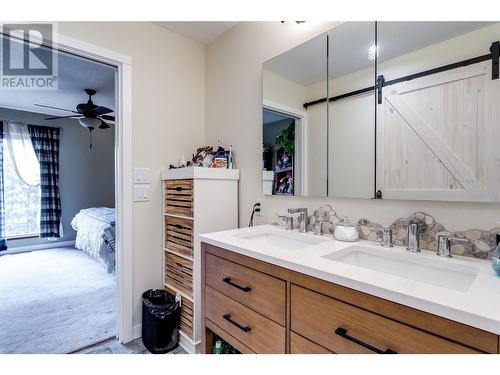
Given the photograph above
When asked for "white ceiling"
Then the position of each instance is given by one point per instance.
(74, 75)
(306, 64)
(202, 32)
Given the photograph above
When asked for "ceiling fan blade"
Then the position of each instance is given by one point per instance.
(60, 109)
(104, 125)
(107, 117)
(100, 110)
(59, 117)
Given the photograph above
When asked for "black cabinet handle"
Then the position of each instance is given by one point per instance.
(243, 328)
(178, 226)
(178, 188)
(245, 289)
(342, 332)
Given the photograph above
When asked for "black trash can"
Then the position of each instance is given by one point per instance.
(160, 321)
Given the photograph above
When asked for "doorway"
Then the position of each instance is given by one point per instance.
(123, 168)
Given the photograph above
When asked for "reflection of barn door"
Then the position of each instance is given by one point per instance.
(438, 137)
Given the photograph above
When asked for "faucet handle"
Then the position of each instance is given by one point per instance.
(318, 227)
(386, 237)
(288, 221)
(444, 244)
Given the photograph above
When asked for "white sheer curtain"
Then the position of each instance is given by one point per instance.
(22, 153)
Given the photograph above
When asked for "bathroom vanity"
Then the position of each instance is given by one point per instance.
(267, 290)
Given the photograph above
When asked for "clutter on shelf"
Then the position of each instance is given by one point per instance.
(209, 157)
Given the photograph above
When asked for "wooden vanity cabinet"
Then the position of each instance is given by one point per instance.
(258, 307)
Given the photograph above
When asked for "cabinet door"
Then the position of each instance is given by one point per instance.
(438, 137)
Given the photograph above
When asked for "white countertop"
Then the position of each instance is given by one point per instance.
(479, 306)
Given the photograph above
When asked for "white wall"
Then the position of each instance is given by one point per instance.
(278, 89)
(233, 113)
(168, 93)
(86, 176)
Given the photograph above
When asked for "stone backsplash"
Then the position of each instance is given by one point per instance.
(482, 243)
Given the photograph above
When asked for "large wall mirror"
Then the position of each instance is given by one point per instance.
(351, 119)
(397, 110)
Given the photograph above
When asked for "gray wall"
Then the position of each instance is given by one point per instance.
(86, 176)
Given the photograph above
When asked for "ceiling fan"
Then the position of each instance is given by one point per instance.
(89, 115)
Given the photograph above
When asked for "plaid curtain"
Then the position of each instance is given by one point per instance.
(46, 144)
(3, 238)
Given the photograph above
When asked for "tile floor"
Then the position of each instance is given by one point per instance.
(112, 346)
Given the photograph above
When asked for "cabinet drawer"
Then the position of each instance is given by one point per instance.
(260, 292)
(186, 320)
(258, 333)
(179, 235)
(301, 345)
(179, 273)
(179, 197)
(343, 328)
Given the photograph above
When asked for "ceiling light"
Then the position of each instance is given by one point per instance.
(371, 52)
(89, 122)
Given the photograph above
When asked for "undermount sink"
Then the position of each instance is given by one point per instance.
(287, 241)
(409, 266)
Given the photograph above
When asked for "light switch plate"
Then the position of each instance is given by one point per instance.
(141, 176)
(141, 193)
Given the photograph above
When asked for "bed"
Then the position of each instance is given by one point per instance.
(95, 234)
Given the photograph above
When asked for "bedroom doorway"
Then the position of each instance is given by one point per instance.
(94, 161)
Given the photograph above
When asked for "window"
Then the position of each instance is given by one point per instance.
(22, 202)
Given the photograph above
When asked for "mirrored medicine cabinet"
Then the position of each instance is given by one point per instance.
(385, 110)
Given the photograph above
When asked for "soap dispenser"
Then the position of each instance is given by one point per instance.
(495, 259)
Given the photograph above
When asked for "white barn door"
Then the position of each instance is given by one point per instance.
(438, 137)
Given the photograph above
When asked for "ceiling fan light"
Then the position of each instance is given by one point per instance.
(89, 122)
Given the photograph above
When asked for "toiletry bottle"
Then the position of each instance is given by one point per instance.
(217, 348)
(230, 158)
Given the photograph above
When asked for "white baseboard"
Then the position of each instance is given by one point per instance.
(48, 245)
(136, 331)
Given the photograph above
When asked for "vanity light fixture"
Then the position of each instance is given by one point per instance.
(371, 52)
(297, 22)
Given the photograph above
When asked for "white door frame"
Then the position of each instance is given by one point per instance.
(123, 171)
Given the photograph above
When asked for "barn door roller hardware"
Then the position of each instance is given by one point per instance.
(494, 56)
(380, 86)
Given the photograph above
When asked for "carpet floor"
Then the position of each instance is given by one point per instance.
(54, 301)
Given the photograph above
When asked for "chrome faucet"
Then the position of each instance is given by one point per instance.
(302, 218)
(444, 244)
(413, 238)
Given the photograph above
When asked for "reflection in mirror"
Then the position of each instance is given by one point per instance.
(294, 138)
(351, 118)
(438, 112)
